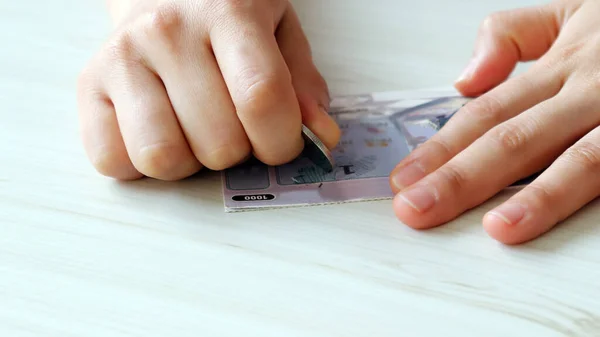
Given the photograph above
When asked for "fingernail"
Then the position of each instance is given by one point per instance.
(420, 198)
(511, 214)
(408, 175)
(329, 129)
(468, 71)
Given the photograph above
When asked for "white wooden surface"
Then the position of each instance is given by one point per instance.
(81, 255)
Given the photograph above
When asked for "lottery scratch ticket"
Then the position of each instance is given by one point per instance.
(378, 131)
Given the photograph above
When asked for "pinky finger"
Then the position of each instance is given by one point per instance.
(566, 187)
(102, 138)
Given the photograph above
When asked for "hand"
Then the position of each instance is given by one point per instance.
(182, 85)
(547, 117)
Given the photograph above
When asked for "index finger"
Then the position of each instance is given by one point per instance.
(472, 122)
(259, 82)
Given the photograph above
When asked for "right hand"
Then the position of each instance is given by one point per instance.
(186, 84)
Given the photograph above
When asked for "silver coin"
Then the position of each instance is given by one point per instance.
(316, 151)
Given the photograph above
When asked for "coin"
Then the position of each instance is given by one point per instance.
(316, 151)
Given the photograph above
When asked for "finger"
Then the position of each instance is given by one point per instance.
(311, 89)
(152, 136)
(196, 89)
(259, 82)
(567, 186)
(504, 39)
(100, 132)
(475, 119)
(509, 152)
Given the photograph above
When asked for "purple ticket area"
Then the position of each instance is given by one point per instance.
(378, 131)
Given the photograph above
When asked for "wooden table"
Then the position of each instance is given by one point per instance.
(82, 255)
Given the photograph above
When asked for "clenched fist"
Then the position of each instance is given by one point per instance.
(186, 84)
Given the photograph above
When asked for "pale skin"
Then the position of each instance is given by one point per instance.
(192, 84)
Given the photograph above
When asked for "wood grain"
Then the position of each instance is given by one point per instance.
(82, 255)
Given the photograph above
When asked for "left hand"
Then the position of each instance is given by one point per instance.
(547, 117)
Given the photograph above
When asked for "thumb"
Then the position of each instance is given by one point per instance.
(504, 39)
(311, 89)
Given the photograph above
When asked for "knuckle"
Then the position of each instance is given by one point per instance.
(486, 110)
(114, 164)
(257, 92)
(540, 195)
(570, 51)
(278, 158)
(122, 49)
(164, 24)
(226, 156)
(494, 22)
(106, 162)
(510, 137)
(561, 57)
(549, 64)
(83, 83)
(160, 160)
(84, 76)
(282, 152)
(439, 147)
(86, 81)
(585, 154)
(454, 178)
